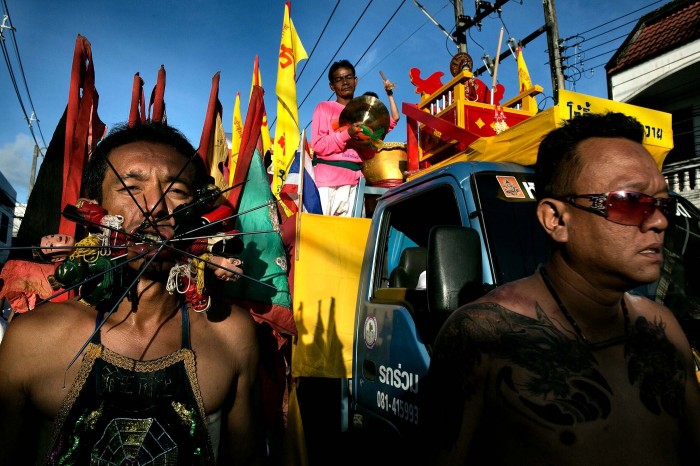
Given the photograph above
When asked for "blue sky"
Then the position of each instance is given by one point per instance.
(197, 38)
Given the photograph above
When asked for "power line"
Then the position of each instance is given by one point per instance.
(323, 72)
(329, 63)
(24, 79)
(380, 32)
(400, 44)
(620, 17)
(610, 30)
(579, 54)
(386, 24)
(658, 93)
(318, 40)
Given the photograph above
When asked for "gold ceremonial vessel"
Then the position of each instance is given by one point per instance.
(386, 169)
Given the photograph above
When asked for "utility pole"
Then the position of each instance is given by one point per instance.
(550, 19)
(32, 176)
(459, 18)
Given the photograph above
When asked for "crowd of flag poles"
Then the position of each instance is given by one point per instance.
(292, 174)
(289, 147)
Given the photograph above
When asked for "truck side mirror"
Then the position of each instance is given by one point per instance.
(454, 275)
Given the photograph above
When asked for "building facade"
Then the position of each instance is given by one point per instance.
(8, 199)
(658, 67)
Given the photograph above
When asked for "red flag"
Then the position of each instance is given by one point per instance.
(264, 129)
(249, 141)
(158, 98)
(81, 120)
(57, 184)
(137, 111)
(213, 109)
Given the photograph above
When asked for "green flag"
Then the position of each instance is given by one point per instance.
(264, 257)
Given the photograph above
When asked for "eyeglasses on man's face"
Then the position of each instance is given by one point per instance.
(625, 207)
(340, 79)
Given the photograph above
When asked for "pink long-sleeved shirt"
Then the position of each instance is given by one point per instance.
(329, 144)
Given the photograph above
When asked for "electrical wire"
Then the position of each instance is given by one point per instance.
(620, 17)
(380, 32)
(611, 29)
(323, 72)
(328, 21)
(616, 40)
(400, 44)
(386, 24)
(13, 78)
(5, 54)
(646, 74)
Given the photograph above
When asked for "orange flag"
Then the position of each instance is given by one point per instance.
(137, 112)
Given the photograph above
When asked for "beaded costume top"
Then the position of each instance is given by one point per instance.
(127, 412)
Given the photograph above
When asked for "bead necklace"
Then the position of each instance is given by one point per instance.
(597, 345)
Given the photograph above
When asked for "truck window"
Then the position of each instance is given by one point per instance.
(407, 224)
(515, 241)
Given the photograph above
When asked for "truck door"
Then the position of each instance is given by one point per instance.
(391, 345)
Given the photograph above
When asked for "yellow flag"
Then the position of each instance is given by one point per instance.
(528, 103)
(264, 129)
(287, 132)
(523, 73)
(236, 133)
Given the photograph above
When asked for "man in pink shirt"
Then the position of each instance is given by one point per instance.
(338, 163)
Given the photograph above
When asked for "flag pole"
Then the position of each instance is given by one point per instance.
(495, 66)
(300, 192)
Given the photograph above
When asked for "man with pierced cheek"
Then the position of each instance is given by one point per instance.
(565, 366)
(152, 377)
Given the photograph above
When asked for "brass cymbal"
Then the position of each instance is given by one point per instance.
(368, 110)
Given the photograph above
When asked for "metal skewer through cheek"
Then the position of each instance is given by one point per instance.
(216, 222)
(114, 307)
(91, 277)
(163, 244)
(146, 218)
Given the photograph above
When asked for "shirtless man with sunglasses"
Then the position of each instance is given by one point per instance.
(564, 366)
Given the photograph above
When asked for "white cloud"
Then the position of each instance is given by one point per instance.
(16, 163)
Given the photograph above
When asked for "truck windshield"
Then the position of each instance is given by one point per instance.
(514, 239)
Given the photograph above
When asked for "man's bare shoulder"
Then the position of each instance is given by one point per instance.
(655, 320)
(234, 331)
(516, 297)
(51, 320)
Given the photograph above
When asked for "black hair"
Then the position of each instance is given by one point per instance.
(371, 94)
(558, 162)
(336, 66)
(122, 134)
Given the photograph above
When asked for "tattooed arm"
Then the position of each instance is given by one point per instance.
(692, 403)
(691, 417)
(656, 326)
(455, 386)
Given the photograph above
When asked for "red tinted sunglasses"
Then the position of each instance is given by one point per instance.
(625, 207)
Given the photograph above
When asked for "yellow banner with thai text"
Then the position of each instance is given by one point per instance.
(657, 124)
